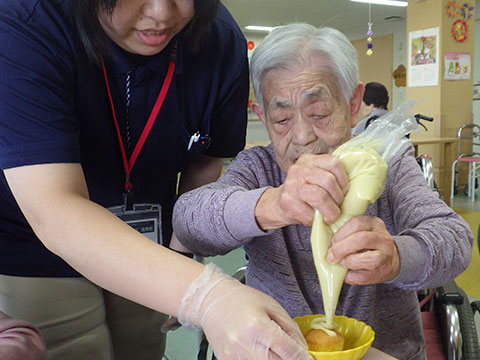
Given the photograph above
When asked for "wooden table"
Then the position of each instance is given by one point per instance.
(447, 153)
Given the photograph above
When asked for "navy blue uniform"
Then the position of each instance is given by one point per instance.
(54, 108)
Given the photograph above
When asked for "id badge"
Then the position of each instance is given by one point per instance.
(145, 218)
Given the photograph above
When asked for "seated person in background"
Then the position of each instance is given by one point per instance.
(265, 200)
(375, 102)
(20, 340)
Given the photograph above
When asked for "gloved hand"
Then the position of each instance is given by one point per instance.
(240, 323)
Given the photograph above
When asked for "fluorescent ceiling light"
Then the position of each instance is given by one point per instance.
(384, 2)
(259, 28)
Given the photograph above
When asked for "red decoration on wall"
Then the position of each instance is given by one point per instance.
(250, 45)
(460, 30)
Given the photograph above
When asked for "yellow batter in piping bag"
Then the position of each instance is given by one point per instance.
(365, 160)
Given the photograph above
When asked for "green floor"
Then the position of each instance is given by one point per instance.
(182, 344)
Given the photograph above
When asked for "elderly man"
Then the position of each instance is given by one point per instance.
(306, 83)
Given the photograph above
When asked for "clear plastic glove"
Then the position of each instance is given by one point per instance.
(240, 323)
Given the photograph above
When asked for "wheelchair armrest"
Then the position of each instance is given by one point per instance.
(449, 294)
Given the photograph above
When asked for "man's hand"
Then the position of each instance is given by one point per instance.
(367, 249)
(313, 182)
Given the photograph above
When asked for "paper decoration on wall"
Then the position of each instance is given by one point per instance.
(467, 11)
(457, 66)
(400, 76)
(423, 55)
(250, 45)
(460, 30)
(453, 9)
(369, 32)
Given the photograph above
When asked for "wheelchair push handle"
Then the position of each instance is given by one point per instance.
(419, 117)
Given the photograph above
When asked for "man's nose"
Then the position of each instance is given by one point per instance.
(303, 133)
(160, 10)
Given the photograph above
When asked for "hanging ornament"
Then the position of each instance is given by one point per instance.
(460, 30)
(369, 32)
(467, 11)
(250, 45)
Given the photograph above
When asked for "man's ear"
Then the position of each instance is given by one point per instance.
(356, 100)
(257, 109)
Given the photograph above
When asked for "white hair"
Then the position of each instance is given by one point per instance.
(295, 43)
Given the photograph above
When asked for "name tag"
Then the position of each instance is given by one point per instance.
(145, 218)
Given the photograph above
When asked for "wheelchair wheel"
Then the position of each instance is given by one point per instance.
(451, 294)
(471, 349)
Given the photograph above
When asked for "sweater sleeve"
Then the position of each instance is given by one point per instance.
(20, 340)
(219, 217)
(434, 243)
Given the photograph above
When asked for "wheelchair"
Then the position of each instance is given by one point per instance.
(449, 324)
(447, 315)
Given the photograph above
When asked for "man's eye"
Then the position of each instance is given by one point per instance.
(281, 121)
(318, 117)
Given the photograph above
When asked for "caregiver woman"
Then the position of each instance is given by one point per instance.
(102, 104)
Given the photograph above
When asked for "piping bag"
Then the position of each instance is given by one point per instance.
(365, 159)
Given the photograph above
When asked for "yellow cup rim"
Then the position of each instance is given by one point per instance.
(344, 352)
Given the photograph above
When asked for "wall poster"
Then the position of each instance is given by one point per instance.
(423, 55)
(457, 66)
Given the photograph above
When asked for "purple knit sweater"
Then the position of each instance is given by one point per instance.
(434, 245)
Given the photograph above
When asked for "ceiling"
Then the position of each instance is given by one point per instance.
(341, 14)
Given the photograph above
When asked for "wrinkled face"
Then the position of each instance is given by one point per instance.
(145, 27)
(305, 112)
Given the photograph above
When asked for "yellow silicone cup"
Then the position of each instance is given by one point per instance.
(358, 337)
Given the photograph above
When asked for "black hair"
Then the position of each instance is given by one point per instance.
(94, 39)
(376, 94)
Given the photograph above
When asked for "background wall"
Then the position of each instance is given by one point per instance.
(378, 66)
(397, 29)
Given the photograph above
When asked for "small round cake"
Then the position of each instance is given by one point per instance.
(319, 340)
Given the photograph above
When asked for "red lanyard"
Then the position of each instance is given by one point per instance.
(128, 163)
